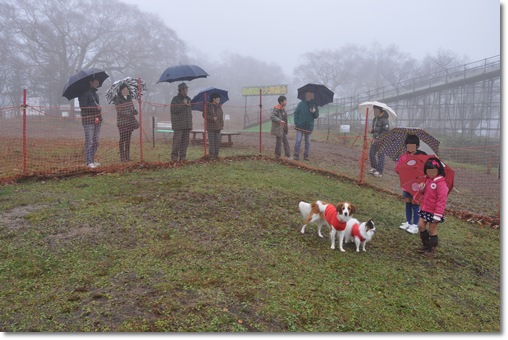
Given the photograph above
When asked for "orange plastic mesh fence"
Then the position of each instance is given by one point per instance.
(50, 142)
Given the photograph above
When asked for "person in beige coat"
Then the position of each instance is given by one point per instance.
(279, 119)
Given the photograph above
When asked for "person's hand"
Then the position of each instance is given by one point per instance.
(312, 109)
(422, 186)
(436, 218)
(282, 122)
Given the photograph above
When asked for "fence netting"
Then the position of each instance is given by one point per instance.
(49, 142)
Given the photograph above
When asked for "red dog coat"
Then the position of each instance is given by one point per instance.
(331, 218)
(356, 232)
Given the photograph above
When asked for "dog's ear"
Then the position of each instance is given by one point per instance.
(353, 208)
(339, 206)
(370, 223)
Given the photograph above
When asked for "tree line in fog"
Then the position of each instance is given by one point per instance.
(47, 41)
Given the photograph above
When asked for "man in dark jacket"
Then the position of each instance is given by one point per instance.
(181, 122)
(380, 125)
(305, 113)
(91, 119)
(214, 124)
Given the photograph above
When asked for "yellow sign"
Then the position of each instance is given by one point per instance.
(271, 90)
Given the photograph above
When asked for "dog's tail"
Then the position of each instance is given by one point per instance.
(304, 208)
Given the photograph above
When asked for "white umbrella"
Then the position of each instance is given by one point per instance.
(392, 116)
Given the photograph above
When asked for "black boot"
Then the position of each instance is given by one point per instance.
(424, 236)
(433, 242)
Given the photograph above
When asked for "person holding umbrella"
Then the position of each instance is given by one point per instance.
(125, 120)
(279, 129)
(214, 124)
(91, 119)
(305, 113)
(380, 125)
(412, 208)
(181, 121)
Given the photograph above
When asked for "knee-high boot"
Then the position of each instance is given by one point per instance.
(433, 242)
(424, 236)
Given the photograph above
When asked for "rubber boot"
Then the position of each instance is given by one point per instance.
(433, 242)
(424, 236)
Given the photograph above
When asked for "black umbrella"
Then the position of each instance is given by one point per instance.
(322, 94)
(181, 73)
(79, 82)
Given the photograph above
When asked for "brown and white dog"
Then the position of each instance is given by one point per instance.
(360, 233)
(335, 217)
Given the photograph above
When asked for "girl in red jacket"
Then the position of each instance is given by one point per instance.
(435, 195)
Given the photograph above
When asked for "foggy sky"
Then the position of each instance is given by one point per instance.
(280, 31)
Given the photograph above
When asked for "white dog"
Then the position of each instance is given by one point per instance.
(360, 233)
(335, 217)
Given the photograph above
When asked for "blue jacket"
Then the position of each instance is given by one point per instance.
(304, 119)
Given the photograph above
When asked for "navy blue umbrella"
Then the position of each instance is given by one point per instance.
(181, 73)
(79, 82)
(198, 100)
(322, 94)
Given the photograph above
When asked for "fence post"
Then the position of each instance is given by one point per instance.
(153, 131)
(24, 131)
(140, 121)
(363, 159)
(260, 120)
(205, 114)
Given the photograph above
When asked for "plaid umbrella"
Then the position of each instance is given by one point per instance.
(132, 84)
(392, 143)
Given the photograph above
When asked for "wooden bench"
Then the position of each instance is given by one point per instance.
(165, 128)
(196, 140)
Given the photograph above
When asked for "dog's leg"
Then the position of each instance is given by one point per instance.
(364, 243)
(303, 229)
(332, 237)
(358, 243)
(313, 218)
(319, 228)
(341, 240)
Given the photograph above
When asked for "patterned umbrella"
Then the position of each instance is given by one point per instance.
(131, 83)
(392, 143)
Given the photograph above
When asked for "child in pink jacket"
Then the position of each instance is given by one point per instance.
(435, 195)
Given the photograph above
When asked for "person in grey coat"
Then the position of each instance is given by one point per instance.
(181, 122)
(279, 119)
(214, 124)
(380, 125)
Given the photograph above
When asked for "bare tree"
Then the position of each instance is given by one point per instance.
(56, 38)
(334, 68)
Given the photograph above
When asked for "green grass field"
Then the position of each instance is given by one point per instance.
(216, 247)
